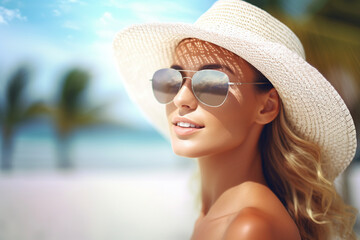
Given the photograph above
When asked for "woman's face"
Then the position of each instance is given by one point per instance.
(218, 129)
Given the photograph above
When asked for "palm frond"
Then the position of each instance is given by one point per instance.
(333, 48)
(16, 87)
(2, 113)
(90, 116)
(74, 85)
(36, 109)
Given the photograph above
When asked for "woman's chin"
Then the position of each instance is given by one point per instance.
(185, 153)
(190, 150)
(184, 150)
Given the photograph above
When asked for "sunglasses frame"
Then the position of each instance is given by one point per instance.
(192, 87)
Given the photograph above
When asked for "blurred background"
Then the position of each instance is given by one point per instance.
(78, 159)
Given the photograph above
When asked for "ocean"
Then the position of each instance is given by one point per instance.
(123, 180)
(35, 147)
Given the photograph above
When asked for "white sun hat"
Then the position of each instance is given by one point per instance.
(313, 107)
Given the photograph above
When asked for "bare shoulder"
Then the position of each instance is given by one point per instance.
(250, 223)
(261, 216)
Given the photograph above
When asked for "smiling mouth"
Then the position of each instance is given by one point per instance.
(187, 125)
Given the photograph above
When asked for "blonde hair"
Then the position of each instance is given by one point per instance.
(293, 170)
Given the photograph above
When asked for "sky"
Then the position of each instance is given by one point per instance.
(53, 36)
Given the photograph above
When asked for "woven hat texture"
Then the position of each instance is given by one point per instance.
(313, 107)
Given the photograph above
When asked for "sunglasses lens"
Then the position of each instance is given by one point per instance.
(210, 87)
(166, 84)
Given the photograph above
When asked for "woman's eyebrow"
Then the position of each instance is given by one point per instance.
(176, 67)
(216, 66)
(207, 66)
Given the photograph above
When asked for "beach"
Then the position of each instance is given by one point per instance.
(123, 185)
(90, 206)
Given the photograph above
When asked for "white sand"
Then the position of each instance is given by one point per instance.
(88, 206)
(104, 206)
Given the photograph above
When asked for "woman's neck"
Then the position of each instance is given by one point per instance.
(223, 171)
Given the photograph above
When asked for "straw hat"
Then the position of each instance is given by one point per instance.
(313, 107)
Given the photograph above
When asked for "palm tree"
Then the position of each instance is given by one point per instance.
(14, 112)
(70, 111)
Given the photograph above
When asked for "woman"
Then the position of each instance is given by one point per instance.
(269, 132)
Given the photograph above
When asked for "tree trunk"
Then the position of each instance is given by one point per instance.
(64, 160)
(6, 150)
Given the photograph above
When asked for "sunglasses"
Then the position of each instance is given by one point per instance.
(210, 87)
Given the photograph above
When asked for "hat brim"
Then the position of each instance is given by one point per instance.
(313, 107)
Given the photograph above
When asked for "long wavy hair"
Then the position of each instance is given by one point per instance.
(293, 170)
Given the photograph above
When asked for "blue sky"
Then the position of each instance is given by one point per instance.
(87, 21)
(55, 35)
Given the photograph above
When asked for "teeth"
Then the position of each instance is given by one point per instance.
(185, 124)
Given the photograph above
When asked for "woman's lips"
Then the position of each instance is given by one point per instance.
(183, 126)
(184, 131)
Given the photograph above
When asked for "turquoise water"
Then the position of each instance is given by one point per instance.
(100, 147)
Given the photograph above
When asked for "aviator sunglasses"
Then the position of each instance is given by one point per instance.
(210, 87)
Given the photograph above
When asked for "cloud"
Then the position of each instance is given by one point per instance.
(106, 19)
(2, 20)
(8, 15)
(107, 26)
(64, 7)
(56, 12)
(71, 25)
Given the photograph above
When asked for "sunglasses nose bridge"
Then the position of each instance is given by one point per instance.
(185, 96)
(184, 79)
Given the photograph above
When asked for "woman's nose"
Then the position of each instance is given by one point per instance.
(185, 97)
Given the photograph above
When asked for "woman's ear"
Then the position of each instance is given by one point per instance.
(269, 108)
